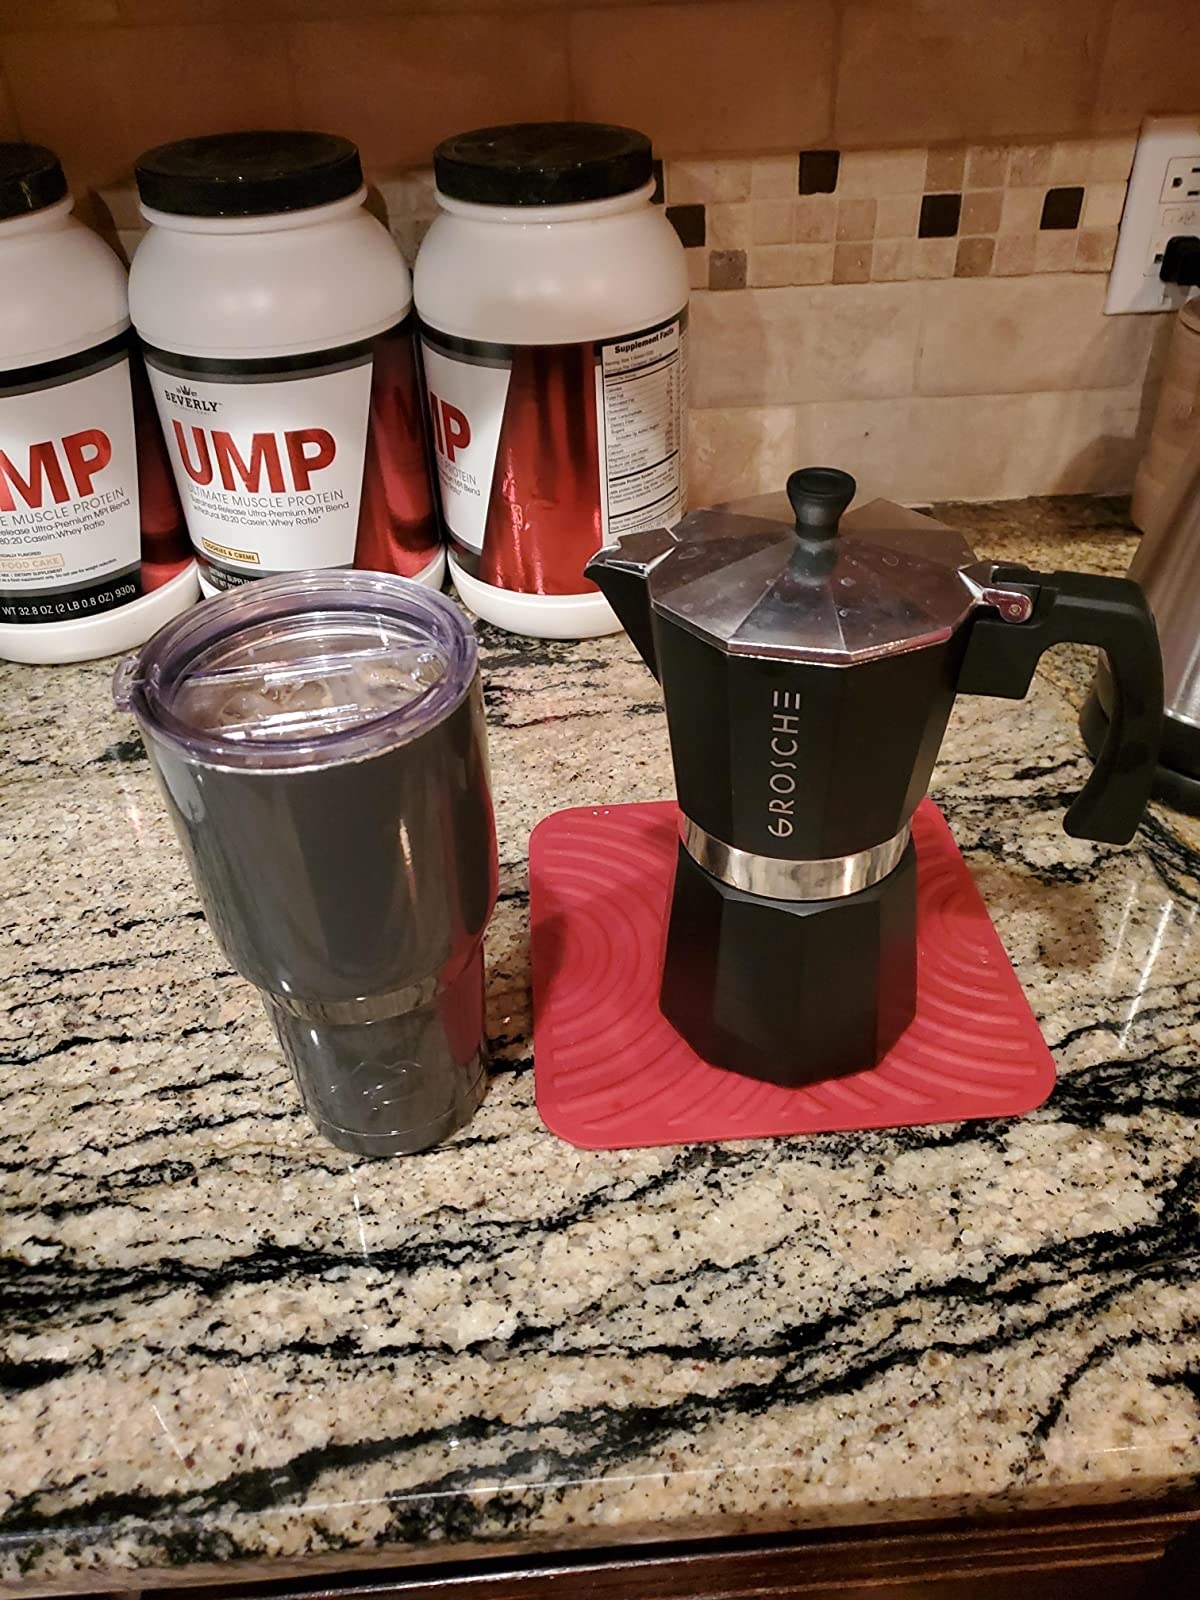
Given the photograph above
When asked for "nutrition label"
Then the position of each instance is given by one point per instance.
(642, 382)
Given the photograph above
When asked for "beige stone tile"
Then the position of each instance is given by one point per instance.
(816, 218)
(1015, 253)
(143, 11)
(8, 114)
(710, 78)
(1079, 443)
(158, 10)
(1021, 211)
(128, 240)
(411, 194)
(1112, 158)
(974, 258)
(1149, 63)
(879, 172)
(771, 266)
(397, 196)
(1069, 161)
(697, 265)
(852, 263)
(1095, 250)
(727, 227)
(813, 263)
(400, 84)
(119, 203)
(149, 11)
(19, 14)
(856, 219)
(775, 178)
(934, 258)
(892, 260)
(736, 452)
(702, 182)
(1017, 335)
(987, 166)
(944, 169)
(100, 96)
(772, 221)
(408, 231)
(1102, 205)
(981, 211)
(977, 446)
(974, 70)
(897, 216)
(726, 269)
(1029, 164)
(404, 233)
(1055, 250)
(781, 346)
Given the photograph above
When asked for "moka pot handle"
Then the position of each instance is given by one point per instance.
(1079, 608)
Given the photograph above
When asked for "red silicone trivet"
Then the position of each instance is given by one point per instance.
(611, 1072)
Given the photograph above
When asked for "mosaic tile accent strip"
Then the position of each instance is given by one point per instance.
(854, 216)
(860, 216)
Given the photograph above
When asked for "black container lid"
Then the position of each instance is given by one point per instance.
(31, 178)
(542, 164)
(248, 174)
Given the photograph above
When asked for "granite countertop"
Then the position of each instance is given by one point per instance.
(224, 1341)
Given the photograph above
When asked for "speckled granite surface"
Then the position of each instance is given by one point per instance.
(223, 1341)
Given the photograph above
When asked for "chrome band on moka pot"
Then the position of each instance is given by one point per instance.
(809, 664)
(783, 878)
(320, 742)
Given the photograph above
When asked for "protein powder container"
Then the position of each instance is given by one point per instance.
(93, 557)
(552, 298)
(275, 317)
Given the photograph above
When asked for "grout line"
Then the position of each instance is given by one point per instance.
(919, 341)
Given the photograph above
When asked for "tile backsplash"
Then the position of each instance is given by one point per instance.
(931, 319)
(827, 216)
(872, 216)
(898, 214)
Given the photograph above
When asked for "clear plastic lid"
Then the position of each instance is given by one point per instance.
(302, 670)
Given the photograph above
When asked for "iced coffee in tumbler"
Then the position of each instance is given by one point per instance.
(319, 740)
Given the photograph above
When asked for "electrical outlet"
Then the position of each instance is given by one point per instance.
(1182, 181)
(1161, 200)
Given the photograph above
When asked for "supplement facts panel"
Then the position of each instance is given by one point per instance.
(641, 382)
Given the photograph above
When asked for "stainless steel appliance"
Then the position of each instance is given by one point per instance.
(1167, 567)
(808, 668)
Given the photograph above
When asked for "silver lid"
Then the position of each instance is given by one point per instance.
(785, 577)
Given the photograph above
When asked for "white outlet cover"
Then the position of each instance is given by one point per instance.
(1154, 211)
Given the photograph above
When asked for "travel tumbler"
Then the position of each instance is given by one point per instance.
(320, 742)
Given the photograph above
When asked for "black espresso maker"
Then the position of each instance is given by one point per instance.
(809, 661)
